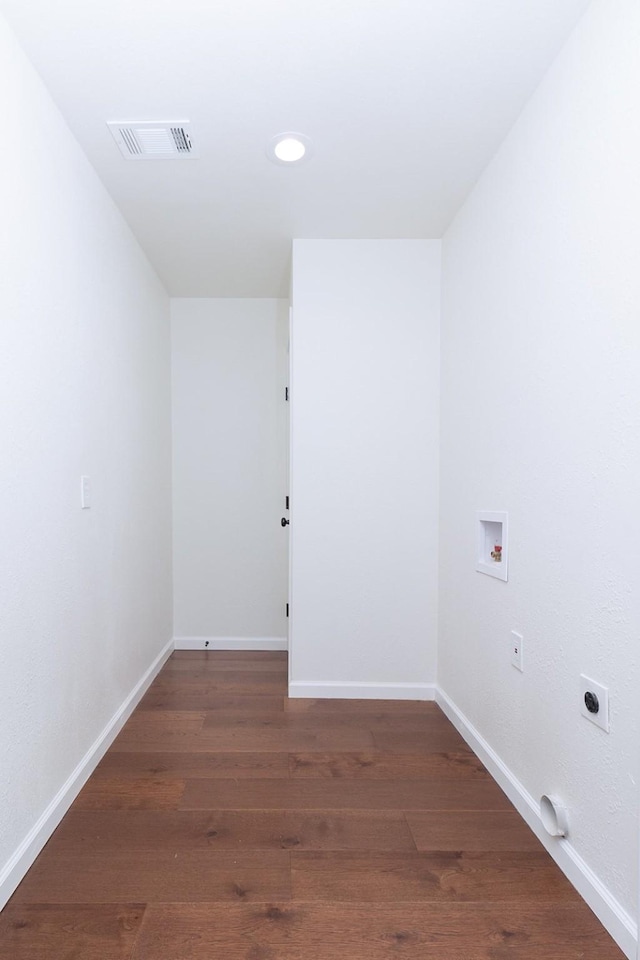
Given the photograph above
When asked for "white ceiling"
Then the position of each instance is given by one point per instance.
(405, 102)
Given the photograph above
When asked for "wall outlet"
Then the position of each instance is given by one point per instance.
(517, 650)
(594, 702)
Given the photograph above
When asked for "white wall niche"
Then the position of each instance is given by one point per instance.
(492, 556)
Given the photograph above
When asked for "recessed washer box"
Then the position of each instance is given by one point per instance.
(492, 555)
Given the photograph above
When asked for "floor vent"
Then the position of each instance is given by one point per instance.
(149, 140)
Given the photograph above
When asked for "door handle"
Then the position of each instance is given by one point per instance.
(284, 522)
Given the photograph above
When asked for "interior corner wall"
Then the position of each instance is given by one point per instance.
(84, 390)
(230, 452)
(541, 418)
(364, 467)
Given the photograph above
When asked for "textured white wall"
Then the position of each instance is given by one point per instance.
(84, 389)
(229, 467)
(364, 424)
(541, 417)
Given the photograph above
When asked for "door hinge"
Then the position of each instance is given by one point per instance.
(287, 609)
(286, 503)
(286, 393)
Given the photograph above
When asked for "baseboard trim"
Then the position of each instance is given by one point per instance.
(17, 866)
(611, 914)
(347, 690)
(230, 643)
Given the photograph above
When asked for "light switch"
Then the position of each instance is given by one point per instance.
(85, 492)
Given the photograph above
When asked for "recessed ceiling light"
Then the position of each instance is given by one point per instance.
(289, 149)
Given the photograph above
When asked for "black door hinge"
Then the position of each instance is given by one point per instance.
(287, 609)
(286, 393)
(286, 503)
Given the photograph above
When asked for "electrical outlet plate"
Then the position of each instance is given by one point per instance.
(601, 718)
(517, 650)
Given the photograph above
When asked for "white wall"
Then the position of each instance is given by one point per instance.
(365, 361)
(229, 468)
(84, 389)
(541, 417)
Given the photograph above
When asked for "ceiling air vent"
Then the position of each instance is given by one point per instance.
(148, 140)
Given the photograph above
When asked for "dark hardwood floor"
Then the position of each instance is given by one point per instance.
(230, 823)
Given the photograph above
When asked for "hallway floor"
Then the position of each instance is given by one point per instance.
(230, 823)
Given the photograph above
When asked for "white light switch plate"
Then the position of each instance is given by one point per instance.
(601, 718)
(85, 492)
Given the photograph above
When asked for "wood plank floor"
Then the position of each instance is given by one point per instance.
(229, 823)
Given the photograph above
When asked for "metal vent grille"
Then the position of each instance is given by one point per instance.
(181, 139)
(150, 140)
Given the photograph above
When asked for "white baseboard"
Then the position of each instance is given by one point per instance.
(230, 643)
(17, 866)
(346, 690)
(611, 914)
